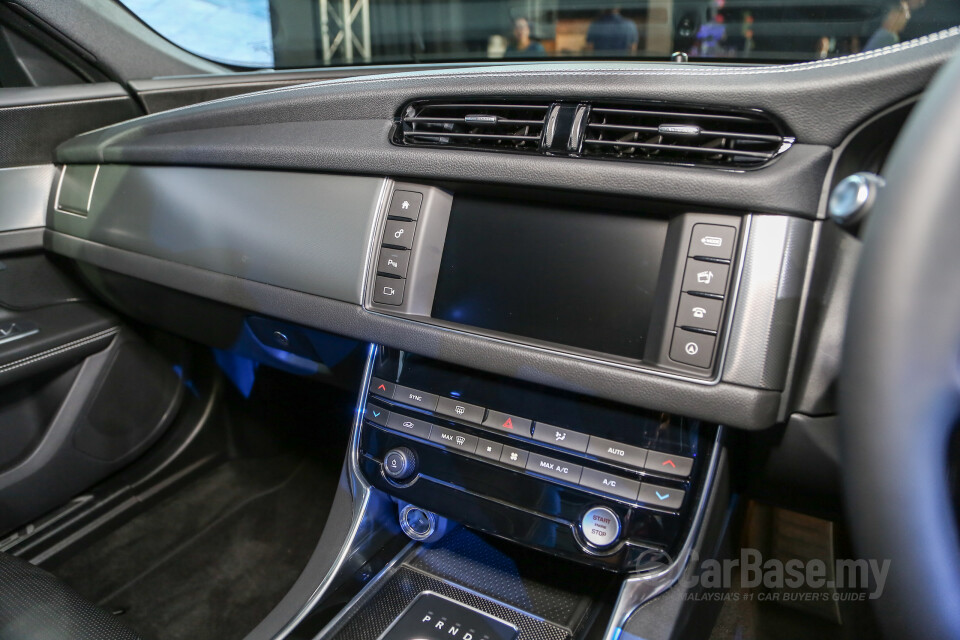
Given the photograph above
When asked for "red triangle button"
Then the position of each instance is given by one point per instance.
(508, 424)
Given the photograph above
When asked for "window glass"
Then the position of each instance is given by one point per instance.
(311, 33)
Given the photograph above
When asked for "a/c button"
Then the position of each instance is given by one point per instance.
(611, 484)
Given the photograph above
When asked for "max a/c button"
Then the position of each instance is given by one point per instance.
(557, 469)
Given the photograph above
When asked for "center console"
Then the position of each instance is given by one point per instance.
(496, 478)
(648, 287)
(599, 483)
(532, 512)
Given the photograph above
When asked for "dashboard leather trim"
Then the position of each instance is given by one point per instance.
(732, 405)
(307, 232)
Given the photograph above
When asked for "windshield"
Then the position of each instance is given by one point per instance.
(286, 34)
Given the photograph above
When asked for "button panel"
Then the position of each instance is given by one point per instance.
(520, 459)
(489, 449)
(705, 277)
(460, 410)
(382, 388)
(712, 241)
(610, 483)
(699, 312)
(410, 426)
(703, 290)
(560, 437)
(405, 204)
(508, 423)
(658, 496)
(388, 290)
(553, 468)
(695, 349)
(399, 233)
(393, 262)
(415, 398)
(600, 527)
(376, 415)
(670, 465)
(514, 457)
(454, 439)
(617, 452)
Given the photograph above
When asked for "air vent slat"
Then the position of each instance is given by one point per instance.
(481, 125)
(422, 134)
(464, 120)
(678, 147)
(666, 115)
(689, 136)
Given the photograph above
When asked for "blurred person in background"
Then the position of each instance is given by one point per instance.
(523, 45)
(612, 33)
(895, 21)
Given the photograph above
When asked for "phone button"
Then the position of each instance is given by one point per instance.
(699, 313)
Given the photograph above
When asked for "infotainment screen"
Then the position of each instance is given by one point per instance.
(580, 278)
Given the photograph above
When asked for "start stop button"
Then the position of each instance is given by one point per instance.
(600, 526)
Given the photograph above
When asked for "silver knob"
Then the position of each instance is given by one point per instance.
(400, 463)
(419, 524)
(853, 198)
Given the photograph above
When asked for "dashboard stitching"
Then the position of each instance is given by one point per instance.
(679, 71)
(56, 350)
(802, 66)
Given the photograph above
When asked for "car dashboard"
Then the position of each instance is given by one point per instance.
(577, 283)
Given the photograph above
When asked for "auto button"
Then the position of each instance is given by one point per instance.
(617, 452)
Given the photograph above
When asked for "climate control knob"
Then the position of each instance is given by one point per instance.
(400, 463)
(600, 527)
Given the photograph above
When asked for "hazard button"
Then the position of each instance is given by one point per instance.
(508, 423)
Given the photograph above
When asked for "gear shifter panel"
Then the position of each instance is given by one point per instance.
(433, 617)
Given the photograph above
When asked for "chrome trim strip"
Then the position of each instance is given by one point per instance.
(373, 246)
(17, 336)
(639, 589)
(26, 196)
(731, 310)
(384, 573)
(361, 491)
(56, 197)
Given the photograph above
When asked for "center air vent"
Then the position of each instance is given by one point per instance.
(652, 132)
(681, 136)
(474, 125)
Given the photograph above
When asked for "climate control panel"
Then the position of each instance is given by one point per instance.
(597, 482)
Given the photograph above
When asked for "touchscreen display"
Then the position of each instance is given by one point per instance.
(573, 277)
